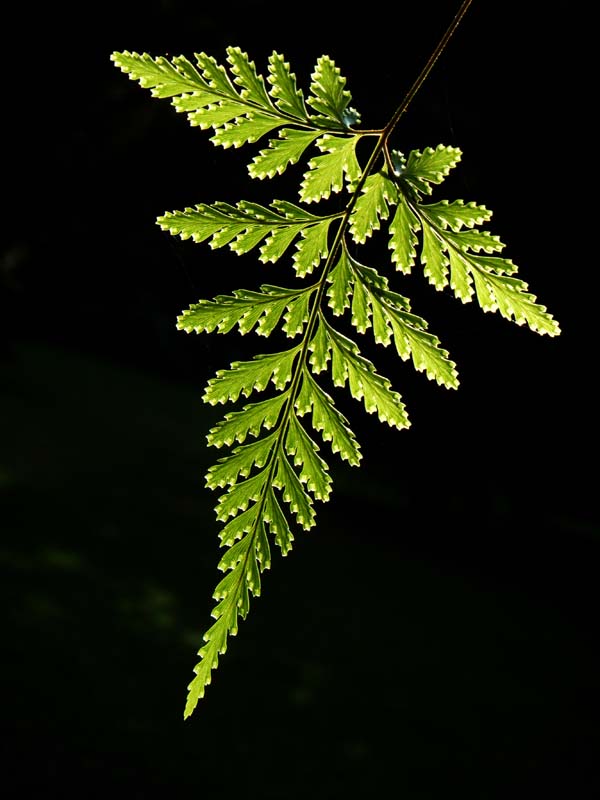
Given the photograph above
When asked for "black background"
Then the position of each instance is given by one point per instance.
(436, 634)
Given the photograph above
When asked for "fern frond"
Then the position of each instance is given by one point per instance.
(282, 152)
(245, 225)
(238, 425)
(327, 172)
(331, 423)
(349, 366)
(372, 206)
(274, 473)
(245, 377)
(248, 309)
(329, 97)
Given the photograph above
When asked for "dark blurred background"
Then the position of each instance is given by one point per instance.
(435, 635)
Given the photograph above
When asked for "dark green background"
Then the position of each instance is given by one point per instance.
(435, 635)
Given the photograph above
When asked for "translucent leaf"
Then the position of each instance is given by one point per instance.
(430, 166)
(475, 240)
(320, 348)
(457, 214)
(364, 382)
(263, 551)
(293, 493)
(232, 592)
(297, 314)
(372, 206)
(326, 173)
(291, 211)
(313, 470)
(187, 103)
(235, 554)
(277, 522)
(216, 114)
(329, 96)
(382, 331)
(244, 377)
(240, 495)
(515, 303)
(244, 130)
(253, 573)
(460, 278)
(360, 308)
(197, 688)
(403, 240)
(243, 553)
(500, 266)
(288, 98)
(311, 248)
(239, 525)
(434, 258)
(244, 308)
(326, 419)
(253, 85)
(340, 280)
(278, 241)
(282, 152)
(216, 75)
(238, 425)
(240, 462)
(228, 589)
(165, 79)
(245, 225)
(484, 292)
(201, 222)
(424, 347)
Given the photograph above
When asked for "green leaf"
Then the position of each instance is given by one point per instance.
(372, 206)
(475, 240)
(277, 522)
(320, 348)
(326, 173)
(216, 114)
(288, 98)
(164, 78)
(430, 167)
(241, 461)
(244, 377)
(424, 347)
(253, 85)
(236, 553)
(311, 248)
(326, 419)
(244, 308)
(329, 96)
(457, 214)
(513, 301)
(240, 495)
(282, 152)
(361, 310)
(341, 282)
(365, 384)
(294, 493)
(434, 259)
(245, 225)
(216, 76)
(403, 241)
(313, 470)
(239, 525)
(244, 130)
(460, 277)
(297, 312)
(238, 425)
